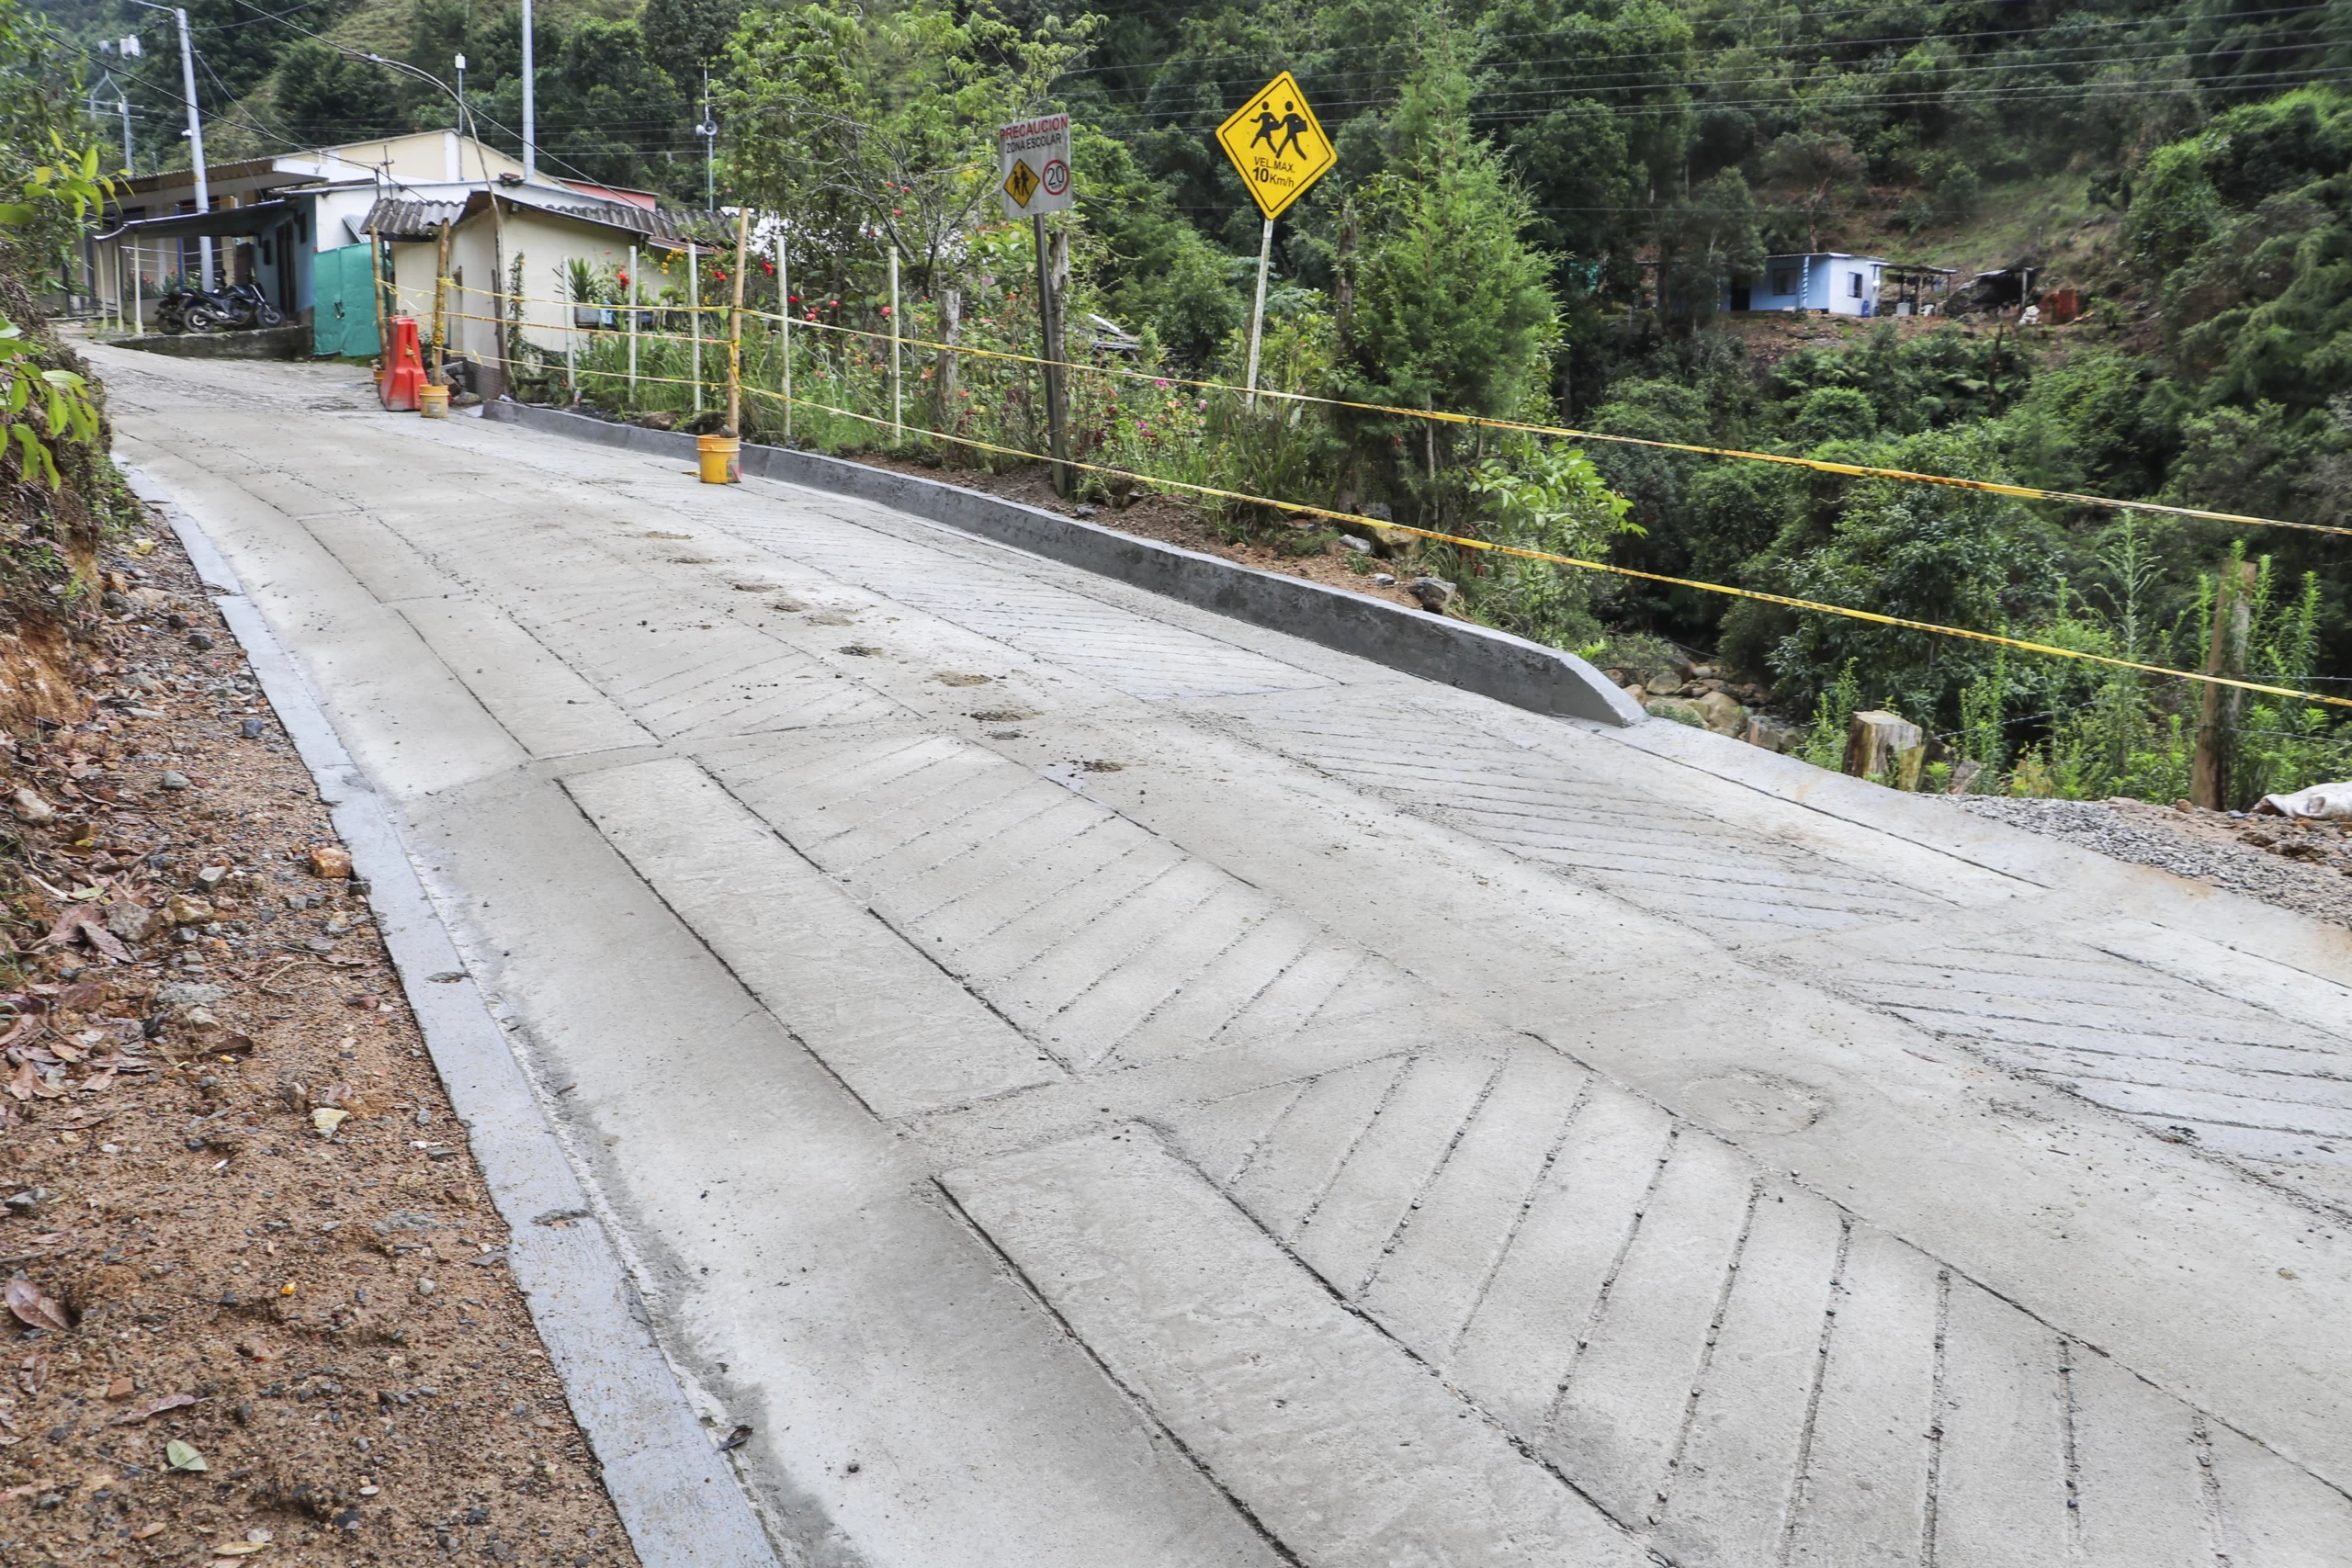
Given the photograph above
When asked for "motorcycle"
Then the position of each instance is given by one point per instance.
(201, 311)
(248, 307)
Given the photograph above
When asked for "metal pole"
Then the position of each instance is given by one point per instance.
(530, 102)
(138, 293)
(123, 103)
(897, 416)
(693, 313)
(1258, 311)
(709, 131)
(195, 138)
(784, 310)
(632, 323)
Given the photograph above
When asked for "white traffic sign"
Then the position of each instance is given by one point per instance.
(1032, 166)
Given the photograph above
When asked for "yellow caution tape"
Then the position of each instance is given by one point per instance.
(1441, 416)
(1871, 617)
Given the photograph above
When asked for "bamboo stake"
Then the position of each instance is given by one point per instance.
(784, 314)
(735, 327)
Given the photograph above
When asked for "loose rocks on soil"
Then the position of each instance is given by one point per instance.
(260, 1310)
(2305, 868)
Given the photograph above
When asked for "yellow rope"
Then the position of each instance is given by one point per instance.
(1441, 416)
(1783, 600)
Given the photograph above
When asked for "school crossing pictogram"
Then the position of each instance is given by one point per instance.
(1276, 142)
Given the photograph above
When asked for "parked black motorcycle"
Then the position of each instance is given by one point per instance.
(208, 310)
(248, 307)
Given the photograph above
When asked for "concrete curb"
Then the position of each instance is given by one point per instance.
(676, 1496)
(1493, 664)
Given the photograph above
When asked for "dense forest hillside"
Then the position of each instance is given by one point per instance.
(1534, 209)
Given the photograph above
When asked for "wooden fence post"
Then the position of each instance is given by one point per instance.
(2210, 772)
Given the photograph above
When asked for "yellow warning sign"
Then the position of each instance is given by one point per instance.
(1276, 142)
(1022, 182)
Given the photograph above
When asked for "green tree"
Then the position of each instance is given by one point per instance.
(1452, 306)
(323, 96)
(683, 36)
(885, 120)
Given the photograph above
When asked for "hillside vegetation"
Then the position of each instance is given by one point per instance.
(1532, 206)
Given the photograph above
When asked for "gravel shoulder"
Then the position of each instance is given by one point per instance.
(260, 1301)
(2303, 866)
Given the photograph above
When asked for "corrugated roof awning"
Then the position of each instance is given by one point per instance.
(220, 223)
(665, 226)
(394, 218)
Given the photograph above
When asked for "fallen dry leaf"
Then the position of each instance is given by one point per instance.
(33, 1307)
(153, 1408)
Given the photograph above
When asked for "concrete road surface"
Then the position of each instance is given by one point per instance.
(1095, 1084)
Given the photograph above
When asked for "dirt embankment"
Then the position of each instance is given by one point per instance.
(256, 1298)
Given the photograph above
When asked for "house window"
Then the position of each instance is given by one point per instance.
(1854, 284)
(1784, 281)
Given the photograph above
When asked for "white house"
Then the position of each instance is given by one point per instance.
(545, 231)
(274, 220)
(1829, 281)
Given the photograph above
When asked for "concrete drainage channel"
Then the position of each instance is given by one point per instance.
(676, 1494)
(1458, 653)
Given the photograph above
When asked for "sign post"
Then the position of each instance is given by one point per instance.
(1032, 162)
(1280, 148)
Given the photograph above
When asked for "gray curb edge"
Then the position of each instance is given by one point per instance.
(676, 1496)
(1438, 648)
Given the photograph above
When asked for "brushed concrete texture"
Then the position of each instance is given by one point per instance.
(673, 1491)
(1093, 1079)
(1473, 657)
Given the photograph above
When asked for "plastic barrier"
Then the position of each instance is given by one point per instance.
(402, 383)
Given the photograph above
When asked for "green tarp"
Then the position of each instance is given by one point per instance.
(343, 320)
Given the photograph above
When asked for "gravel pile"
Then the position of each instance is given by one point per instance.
(2306, 869)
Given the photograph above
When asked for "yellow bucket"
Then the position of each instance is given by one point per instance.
(722, 457)
(433, 402)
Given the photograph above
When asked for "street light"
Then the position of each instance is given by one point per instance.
(195, 127)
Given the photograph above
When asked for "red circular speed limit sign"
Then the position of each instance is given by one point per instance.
(1057, 177)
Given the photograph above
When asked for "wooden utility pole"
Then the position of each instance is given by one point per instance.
(2217, 723)
(440, 293)
(1050, 339)
(735, 327)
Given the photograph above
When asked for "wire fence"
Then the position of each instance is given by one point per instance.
(873, 377)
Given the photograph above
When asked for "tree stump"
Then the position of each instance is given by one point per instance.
(1873, 738)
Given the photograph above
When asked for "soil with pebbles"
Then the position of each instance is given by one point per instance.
(209, 1267)
(1176, 520)
(2300, 865)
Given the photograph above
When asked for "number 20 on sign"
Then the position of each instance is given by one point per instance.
(1276, 142)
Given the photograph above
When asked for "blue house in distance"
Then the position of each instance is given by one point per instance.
(1829, 281)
